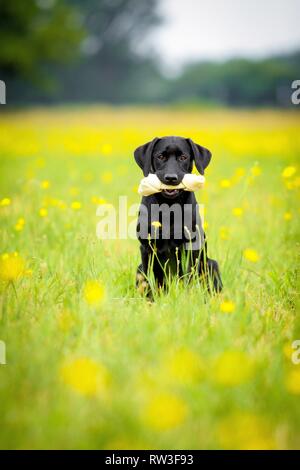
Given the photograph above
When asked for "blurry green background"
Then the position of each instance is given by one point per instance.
(55, 51)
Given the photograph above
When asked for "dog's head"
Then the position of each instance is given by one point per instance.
(170, 158)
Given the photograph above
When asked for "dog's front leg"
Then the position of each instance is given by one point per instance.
(153, 265)
(142, 284)
(210, 272)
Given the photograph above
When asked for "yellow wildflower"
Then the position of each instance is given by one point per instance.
(296, 182)
(292, 381)
(94, 292)
(227, 306)
(11, 266)
(106, 149)
(287, 215)
(245, 431)
(288, 351)
(45, 184)
(20, 224)
(256, 170)
(98, 200)
(288, 172)
(156, 224)
(233, 368)
(225, 183)
(239, 172)
(6, 201)
(251, 255)
(238, 211)
(43, 212)
(85, 376)
(224, 233)
(76, 205)
(165, 411)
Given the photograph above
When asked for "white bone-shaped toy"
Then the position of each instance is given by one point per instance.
(151, 184)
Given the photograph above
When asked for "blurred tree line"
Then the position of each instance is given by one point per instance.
(55, 51)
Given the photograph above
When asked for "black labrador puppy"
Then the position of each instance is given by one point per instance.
(169, 226)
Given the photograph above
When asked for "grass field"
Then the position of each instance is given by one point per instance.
(89, 362)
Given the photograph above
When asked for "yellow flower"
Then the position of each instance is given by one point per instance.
(287, 216)
(227, 306)
(106, 149)
(165, 411)
(224, 233)
(256, 170)
(233, 368)
(239, 172)
(292, 381)
(289, 184)
(156, 224)
(238, 211)
(98, 200)
(296, 182)
(225, 183)
(106, 177)
(288, 172)
(184, 367)
(43, 212)
(251, 255)
(20, 224)
(45, 184)
(76, 205)
(245, 431)
(5, 201)
(94, 292)
(12, 266)
(85, 376)
(288, 351)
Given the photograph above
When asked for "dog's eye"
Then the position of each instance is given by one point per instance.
(161, 157)
(182, 158)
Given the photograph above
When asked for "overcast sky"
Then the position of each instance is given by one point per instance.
(217, 29)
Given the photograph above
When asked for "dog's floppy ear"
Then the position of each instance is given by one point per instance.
(202, 156)
(143, 156)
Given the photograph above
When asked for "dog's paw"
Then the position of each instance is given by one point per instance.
(215, 276)
(142, 284)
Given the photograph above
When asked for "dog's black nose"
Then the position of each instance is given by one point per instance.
(171, 178)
